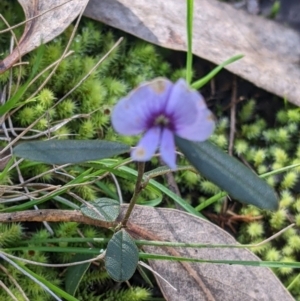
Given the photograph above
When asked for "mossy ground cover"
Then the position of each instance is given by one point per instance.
(262, 142)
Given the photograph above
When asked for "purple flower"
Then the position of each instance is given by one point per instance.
(160, 110)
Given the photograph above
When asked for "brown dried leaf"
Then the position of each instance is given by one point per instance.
(202, 281)
(53, 18)
(272, 52)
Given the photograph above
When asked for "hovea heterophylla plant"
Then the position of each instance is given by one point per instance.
(173, 109)
(161, 110)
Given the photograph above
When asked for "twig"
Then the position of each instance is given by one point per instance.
(137, 190)
(232, 130)
(232, 116)
(172, 185)
(53, 215)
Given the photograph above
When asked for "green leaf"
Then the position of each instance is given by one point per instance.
(204, 80)
(69, 151)
(228, 173)
(151, 203)
(75, 273)
(121, 257)
(103, 209)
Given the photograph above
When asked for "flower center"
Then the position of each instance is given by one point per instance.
(162, 121)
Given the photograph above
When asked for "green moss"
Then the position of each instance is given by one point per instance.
(133, 294)
(255, 230)
(209, 187)
(241, 147)
(289, 180)
(10, 234)
(246, 113)
(272, 254)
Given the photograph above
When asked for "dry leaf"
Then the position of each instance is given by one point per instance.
(202, 281)
(272, 52)
(53, 18)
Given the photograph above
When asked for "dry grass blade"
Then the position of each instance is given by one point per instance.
(9, 292)
(12, 279)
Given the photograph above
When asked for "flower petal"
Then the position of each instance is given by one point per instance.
(201, 129)
(182, 104)
(167, 148)
(132, 114)
(192, 119)
(147, 145)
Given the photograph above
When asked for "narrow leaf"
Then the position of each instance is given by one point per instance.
(69, 151)
(152, 203)
(228, 173)
(121, 257)
(75, 273)
(204, 80)
(103, 209)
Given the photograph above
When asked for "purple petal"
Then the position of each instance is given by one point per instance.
(192, 119)
(132, 113)
(182, 104)
(147, 145)
(167, 148)
(201, 129)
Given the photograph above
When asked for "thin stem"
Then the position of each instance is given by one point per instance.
(257, 263)
(211, 200)
(204, 80)
(99, 257)
(189, 27)
(137, 190)
(9, 292)
(295, 280)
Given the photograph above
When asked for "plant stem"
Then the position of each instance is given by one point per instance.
(137, 190)
(189, 27)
